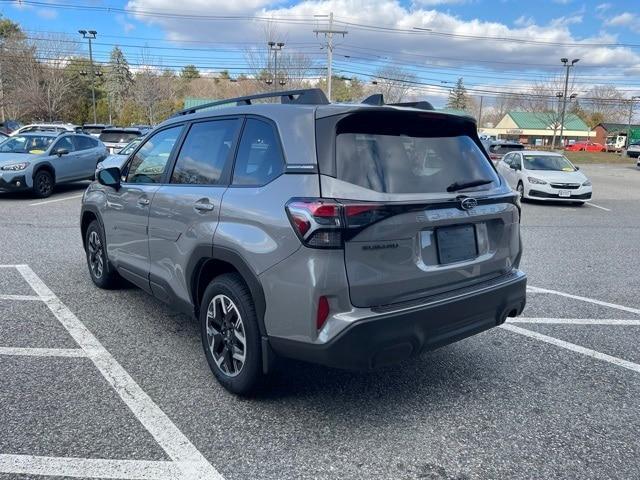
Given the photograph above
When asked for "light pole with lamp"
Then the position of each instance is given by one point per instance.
(275, 47)
(567, 65)
(91, 35)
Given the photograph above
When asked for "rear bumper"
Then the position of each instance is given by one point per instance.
(392, 337)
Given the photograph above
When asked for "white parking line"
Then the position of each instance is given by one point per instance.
(43, 352)
(89, 467)
(573, 347)
(584, 299)
(188, 463)
(576, 321)
(44, 202)
(598, 206)
(21, 298)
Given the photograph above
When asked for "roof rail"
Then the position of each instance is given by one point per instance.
(377, 99)
(307, 96)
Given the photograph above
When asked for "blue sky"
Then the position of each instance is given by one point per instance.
(587, 30)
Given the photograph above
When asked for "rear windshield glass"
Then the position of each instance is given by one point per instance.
(118, 137)
(504, 149)
(93, 130)
(410, 160)
(548, 162)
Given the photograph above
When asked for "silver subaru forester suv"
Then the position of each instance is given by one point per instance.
(350, 235)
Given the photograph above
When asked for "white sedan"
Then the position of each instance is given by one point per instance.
(545, 176)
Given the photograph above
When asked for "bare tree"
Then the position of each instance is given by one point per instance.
(394, 83)
(606, 102)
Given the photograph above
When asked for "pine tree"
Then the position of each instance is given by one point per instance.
(458, 98)
(119, 79)
(189, 72)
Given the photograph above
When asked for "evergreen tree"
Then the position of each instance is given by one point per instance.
(119, 80)
(189, 72)
(458, 98)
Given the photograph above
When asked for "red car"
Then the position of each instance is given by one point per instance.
(586, 147)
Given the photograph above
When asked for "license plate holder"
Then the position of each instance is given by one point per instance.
(564, 193)
(456, 243)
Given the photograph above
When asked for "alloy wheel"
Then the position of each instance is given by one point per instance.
(44, 184)
(226, 335)
(94, 248)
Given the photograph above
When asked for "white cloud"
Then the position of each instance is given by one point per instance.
(625, 19)
(126, 26)
(432, 3)
(603, 7)
(410, 47)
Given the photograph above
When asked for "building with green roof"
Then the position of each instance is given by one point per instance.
(537, 128)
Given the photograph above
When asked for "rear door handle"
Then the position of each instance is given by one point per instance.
(143, 202)
(204, 206)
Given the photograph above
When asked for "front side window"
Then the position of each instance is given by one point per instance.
(149, 163)
(259, 158)
(65, 143)
(26, 144)
(548, 162)
(205, 152)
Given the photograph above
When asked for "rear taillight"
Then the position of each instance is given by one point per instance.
(326, 223)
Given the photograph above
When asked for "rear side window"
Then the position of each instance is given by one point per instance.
(82, 142)
(259, 158)
(205, 152)
(64, 142)
(408, 154)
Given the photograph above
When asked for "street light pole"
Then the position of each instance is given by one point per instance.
(567, 65)
(91, 35)
(275, 48)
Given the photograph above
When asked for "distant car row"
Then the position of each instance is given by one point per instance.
(38, 160)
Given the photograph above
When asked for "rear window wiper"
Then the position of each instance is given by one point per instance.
(454, 187)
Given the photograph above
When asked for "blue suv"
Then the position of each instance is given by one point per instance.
(39, 161)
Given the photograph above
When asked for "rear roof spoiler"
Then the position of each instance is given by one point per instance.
(377, 99)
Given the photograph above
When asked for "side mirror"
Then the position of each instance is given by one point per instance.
(576, 167)
(61, 151)
(109, 177)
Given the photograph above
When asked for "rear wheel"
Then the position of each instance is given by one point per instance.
(102, 274)
(43, 184)
(230, 334)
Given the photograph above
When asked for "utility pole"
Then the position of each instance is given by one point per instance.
(567, 65)
(275, 48)
(91, 35)
(328, 34)
(2, 80)
(480, 112)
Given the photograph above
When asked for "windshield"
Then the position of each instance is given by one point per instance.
(130, 148)
(118, 137)
(33, 144)
(92, 130)
(548, 162)
(505, 148)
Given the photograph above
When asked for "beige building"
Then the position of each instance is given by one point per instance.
(535, 128)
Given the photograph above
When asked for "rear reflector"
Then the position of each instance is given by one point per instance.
(323, 312)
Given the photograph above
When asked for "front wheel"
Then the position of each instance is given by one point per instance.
(520, 190)
(230, 334)
(102, 273)
(43, 184)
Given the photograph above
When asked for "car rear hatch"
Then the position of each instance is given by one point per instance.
(499, 150)
(405, 236)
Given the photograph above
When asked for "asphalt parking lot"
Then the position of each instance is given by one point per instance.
(112, 384)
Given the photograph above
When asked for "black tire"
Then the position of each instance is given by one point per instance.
(101, 271)
(43, 184)
(578, 204)
(242, 380)
(520, 190)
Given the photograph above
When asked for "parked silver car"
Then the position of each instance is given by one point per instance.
(354, 236)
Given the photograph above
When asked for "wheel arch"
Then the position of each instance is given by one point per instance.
(88, 215)
(44, 166)
(212, 262)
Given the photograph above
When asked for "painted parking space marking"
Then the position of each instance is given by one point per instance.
(44, 352)
(576, 321)
(44, 202)
(23, 298)
(573, 347)
(88, 467)
(598, 206)
(585, 299)
(187, 463)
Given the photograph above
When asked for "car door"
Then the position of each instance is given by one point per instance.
(126, 215)
(504, 167)
(65, 164)
(87, 157)
(516, 169)
(185, 210)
